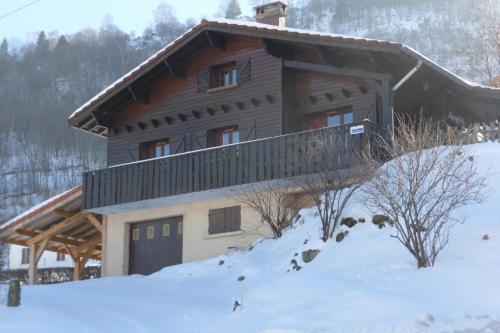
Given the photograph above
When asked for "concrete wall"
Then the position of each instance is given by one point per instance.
(197, 244)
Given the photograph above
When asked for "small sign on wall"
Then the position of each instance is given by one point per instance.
(357, 129)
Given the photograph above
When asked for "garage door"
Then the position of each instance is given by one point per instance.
(155, 244)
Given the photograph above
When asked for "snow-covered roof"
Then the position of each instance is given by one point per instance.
(49, 204)
(277, 32)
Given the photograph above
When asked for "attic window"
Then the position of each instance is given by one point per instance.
(223, 76)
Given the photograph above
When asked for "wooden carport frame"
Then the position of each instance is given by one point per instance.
(57, 225)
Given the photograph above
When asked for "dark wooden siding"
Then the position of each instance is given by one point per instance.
(267, 159)
(314, 91)
(176, 95)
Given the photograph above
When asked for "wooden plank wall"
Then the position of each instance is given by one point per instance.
(176, 95)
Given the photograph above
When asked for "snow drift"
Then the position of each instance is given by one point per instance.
(367, 283)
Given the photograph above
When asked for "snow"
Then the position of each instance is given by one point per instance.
(41, 205)
(367, 283)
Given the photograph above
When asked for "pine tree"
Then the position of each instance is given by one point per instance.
(233, 9)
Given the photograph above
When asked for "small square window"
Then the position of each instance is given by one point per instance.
(151, 232)
(179, 228)
(135, 234)
(166, 230)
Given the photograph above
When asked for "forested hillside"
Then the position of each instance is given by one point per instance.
(43, 81)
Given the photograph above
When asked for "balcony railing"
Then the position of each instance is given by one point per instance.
(214, 168)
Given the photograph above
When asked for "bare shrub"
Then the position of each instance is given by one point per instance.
(271, 201)
(430, 175)
(338, 174)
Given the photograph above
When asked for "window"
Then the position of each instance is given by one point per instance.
(179, 228)
(166, 230)
(25, 256)
(151, 231)
(224, 220)
(135, 234)
(341, 116)
(155, 149)
(61, 256)
(224, 75)
(224, 136)
(229, 74)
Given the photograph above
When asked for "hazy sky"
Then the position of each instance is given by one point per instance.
(68, 16)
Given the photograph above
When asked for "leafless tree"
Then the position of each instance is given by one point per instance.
(271, 200)
(485, 55)
(337, 175)
(430, 175)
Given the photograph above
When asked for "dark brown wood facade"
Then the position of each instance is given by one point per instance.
(255, 107)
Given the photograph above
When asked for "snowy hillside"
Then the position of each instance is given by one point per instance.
(366, 283)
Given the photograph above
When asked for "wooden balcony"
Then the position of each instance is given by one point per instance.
(273, 158)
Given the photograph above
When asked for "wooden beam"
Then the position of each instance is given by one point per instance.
(102, 118)
(40, 248)
(62, 213)
(169, 120)
(196, 114)
(330, 57)
(210, 111)
(91, 242)
(175, 69)
(155, 122)
(344, 71)
(139, 95)
(182, 117)
(56, 239)
(216, 39)
(277, 50)
(87, 255)
(57, 228)
(94, 221)
(70, 252)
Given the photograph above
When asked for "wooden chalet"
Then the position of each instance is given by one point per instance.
(230, 103)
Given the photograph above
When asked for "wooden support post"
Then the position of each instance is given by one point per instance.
(77, 267)
(36, 251)
(32, 269)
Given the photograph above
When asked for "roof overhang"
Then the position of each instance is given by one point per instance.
(61, 221)
(84, 114)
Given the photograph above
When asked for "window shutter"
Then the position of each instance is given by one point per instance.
(133, 154)
(244, 70)
(203, 80)
(223, 220)
(199, 140)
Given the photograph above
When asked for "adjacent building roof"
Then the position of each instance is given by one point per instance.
(56, 202)
(58, 209)
(273, 32)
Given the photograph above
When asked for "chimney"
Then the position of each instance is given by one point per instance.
(273, 13)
